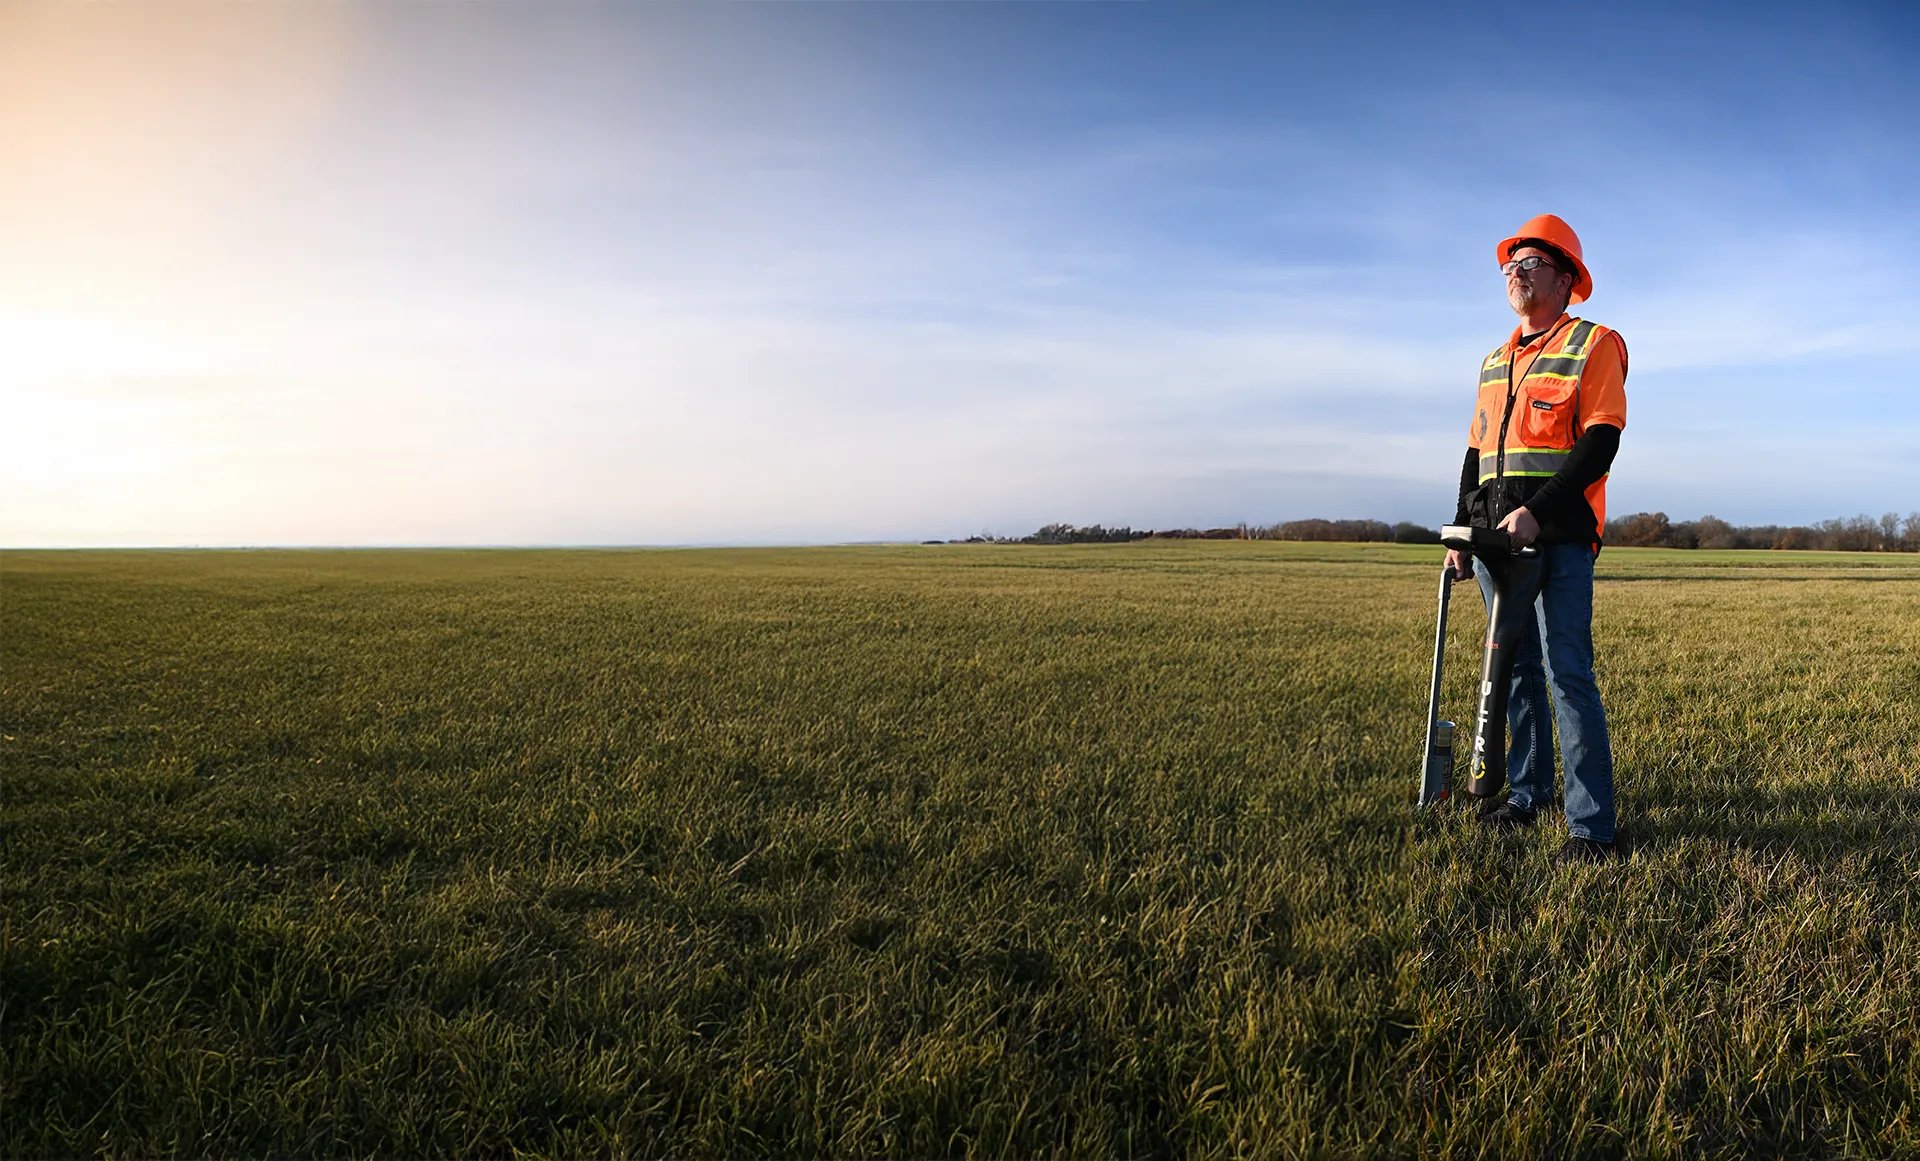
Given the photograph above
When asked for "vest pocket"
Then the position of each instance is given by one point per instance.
(1546, 418)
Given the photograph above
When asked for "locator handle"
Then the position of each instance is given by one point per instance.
(1483, 541)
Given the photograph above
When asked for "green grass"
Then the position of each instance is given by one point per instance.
(961, 850)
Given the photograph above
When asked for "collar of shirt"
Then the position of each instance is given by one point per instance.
(1513, 340)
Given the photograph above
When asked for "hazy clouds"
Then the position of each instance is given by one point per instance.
(507, 274)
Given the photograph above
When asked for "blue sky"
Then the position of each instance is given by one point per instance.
(695, 273)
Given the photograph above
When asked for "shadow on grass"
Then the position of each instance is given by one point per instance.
(1820, 823)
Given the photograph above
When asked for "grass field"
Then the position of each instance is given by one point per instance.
(927, 851)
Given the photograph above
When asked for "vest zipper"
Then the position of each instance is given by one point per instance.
(1513, 393)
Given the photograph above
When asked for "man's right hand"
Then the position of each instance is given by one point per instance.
(1459, 564)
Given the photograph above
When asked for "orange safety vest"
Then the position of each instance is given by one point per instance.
(1525, 428)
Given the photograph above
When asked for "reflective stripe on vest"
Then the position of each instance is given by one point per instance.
(1564, 364)
(1526, 461)
(1560, 367)
(1572, 358)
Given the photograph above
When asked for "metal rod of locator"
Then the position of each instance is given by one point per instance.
(1439, 649)
(1429, 793)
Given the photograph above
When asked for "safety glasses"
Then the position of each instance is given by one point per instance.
(1530, 262)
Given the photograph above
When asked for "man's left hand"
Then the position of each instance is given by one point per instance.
(1521, 525)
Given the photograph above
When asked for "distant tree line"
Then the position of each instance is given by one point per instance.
(1362, 530)
(1092, 534)
(1890, 533)
(1375, 531)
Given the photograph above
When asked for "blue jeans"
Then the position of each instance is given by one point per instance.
(1563, 610)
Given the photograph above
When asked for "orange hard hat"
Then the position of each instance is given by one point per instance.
(1554, 232)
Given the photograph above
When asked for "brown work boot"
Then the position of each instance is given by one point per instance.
(1505, 816)
(1585, 850)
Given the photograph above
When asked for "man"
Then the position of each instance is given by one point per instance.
(1551, 408)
